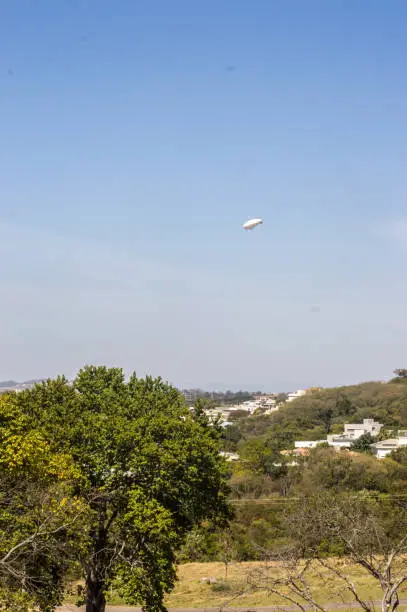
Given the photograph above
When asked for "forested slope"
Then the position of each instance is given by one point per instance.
(321, 412)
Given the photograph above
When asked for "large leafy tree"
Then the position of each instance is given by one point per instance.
(151, 469)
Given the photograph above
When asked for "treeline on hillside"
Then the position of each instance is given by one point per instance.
(217, 398)
(319, 413)
(264, 482)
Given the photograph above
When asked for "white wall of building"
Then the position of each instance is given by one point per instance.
(356, 430)
(385, 447)
(308, 443)
(292, 396)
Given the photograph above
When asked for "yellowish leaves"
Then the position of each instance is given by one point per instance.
(25, 450)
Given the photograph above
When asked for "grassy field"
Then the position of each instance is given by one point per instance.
(190, 592)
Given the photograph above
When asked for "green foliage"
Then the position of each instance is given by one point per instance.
(138, 480)
(401, 373)
(363, 444)
(15, 600)
(200, 544)
(324, 411)
(221, 587)
(150, 471)
(400, 455)
(216, 398)
(327, 469)
(247, 485)
(41, 520)
(231, 436)
(265, 473)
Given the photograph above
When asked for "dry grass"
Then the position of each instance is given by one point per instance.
(190, 592)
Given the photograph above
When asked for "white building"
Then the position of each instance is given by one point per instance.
(295, 394)
(352, 431)
(355, 430)
(308, 443)
(385, 447)
(340, 441)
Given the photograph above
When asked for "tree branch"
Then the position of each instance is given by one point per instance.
(351, 587)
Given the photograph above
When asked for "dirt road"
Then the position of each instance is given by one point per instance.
(331, 606)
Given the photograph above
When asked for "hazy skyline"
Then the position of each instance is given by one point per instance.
(138, 137)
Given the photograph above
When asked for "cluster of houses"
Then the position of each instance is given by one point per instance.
(353, 431)
(17, 387)
(266, 403)
(269, 403)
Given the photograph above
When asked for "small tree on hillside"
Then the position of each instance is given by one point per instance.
(363, 444)
(400, 455)
(401, 373)
(369, 533)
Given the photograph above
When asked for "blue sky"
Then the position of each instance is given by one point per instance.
(137, 137)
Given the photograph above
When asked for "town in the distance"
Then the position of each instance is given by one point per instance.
(259, 403)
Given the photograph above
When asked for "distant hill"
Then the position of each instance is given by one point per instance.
(219, 397)
(324, 411)
(8, 383)
(12, 384)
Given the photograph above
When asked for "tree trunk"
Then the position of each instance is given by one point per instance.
(95, 597)
(390, 603)
(95, 571)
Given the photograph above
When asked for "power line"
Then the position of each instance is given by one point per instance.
(288, 500)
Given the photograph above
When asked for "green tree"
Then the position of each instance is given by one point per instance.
(151, 471)
(400, 455)
(363, 444)
(279, 438)
(344, 406)
(325, 411)
(257, 455)
(327, 469)
(401, 373)
(262, 456)
(231, 436)
(325, 414)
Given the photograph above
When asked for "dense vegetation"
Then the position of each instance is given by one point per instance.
(318, 413)
(118, 481)
(264, 481)
(216, 398)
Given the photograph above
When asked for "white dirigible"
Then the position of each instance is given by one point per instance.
(252, 224)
